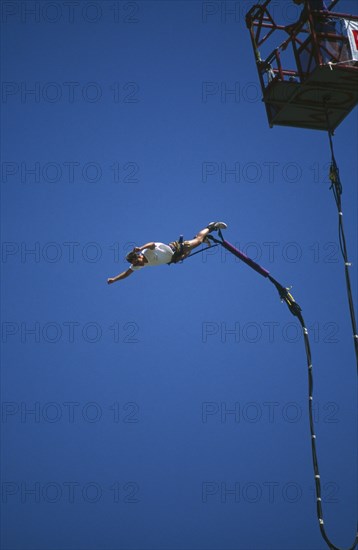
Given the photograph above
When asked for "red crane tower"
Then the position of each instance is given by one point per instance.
(309, 80)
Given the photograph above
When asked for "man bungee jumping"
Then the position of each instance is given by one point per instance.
(160, 253)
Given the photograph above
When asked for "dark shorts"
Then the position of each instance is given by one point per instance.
(178, 247)
(180, 250)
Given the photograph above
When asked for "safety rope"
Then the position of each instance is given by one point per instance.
(337, 190)
(296, 310)
(201, 250)
(179, 257)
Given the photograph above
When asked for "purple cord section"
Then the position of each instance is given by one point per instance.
(245, 259)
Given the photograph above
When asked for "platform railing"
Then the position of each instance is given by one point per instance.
(318, 40)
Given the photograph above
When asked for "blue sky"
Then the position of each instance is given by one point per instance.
(167, 411)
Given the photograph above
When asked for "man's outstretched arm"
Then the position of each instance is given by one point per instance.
(119, 277)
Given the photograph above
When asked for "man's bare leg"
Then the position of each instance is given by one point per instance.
(197, 241)
(200, 237)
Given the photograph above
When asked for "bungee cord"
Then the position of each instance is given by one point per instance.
(296, 310)
(337, 189)
(285, 112)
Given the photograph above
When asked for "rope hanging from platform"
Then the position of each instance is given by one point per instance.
(337, 189)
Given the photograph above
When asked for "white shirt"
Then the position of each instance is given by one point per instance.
(161, 254)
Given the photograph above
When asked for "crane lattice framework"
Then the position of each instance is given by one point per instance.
(309, 80)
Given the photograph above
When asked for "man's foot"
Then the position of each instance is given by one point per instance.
(214, 226)
(110, 280)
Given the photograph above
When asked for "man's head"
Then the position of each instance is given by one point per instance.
(135, 258)
(132, 257)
